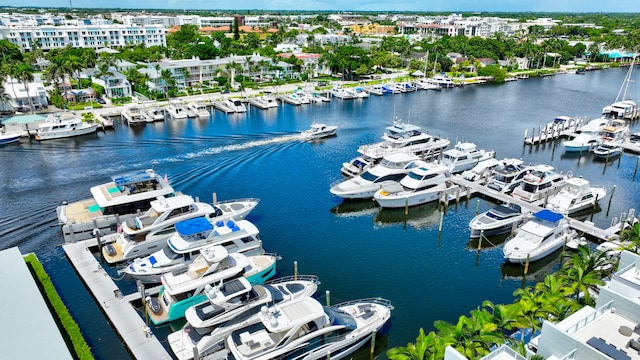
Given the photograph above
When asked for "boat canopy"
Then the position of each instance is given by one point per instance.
(134, 177)
(193, 226)
(547, 215)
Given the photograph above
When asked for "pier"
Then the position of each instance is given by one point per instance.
(554, 130)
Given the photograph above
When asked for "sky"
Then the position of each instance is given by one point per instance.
(343, 5)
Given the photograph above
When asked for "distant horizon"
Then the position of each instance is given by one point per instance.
(439, 6)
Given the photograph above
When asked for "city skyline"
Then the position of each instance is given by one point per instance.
(628, 6)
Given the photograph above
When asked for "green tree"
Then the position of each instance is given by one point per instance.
(585, 270)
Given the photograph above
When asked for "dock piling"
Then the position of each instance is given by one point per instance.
(328, 297)
(373, 344)
(477, 207)
(215, 198)
(441, 218)
(526, 265)
(480, 239)
(636, 168)
(295, 270)
(613, 190)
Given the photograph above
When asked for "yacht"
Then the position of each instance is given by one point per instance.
(391, 169)
(240, 106)
(305, 98)
(190, 238)
(615, 131)
(153, 114)
(176, 110)
(543, 234)
(624, 110)
(607, 150)
(226, 106)
(588, 136)
(133, 115)
(141, 235)
(443, 81)
(464, 156)
(231, 306)
(184, 288)
(311, 331)
(422, 185)
(197, 109)
(55, 127)
(496, 221)
(508, 176)
(342, 93)
(111, 203)
(424, 84)
(374, 89)
(9, 137)
(575, 195)
(538, 182)
(403, 137)
(264, 102)
(360, 93)
(483, 170)
(319, 131)
(319, 98)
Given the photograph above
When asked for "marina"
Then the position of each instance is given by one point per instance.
(251, 154)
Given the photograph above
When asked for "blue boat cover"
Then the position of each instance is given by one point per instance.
(548, 215)
(193, 226)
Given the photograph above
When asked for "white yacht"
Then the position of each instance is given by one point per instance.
(133, 115)
(464, 156)
(615, 131)
(442, 80)
(538, 182)
(55, 127)
(360, 93)
(483, 170)
(198, 109)
(543, 234)
(624, 110)
(307, 328)
(264, 102)
(291, 99)
(374, 89)
(225, 105)
(422, 185)
(495, 221)
(176, 110)
(144, 234)
(342, 93)
(607, 150)
(403, 137)
(391, 169)
(424, 84)
(231, 306)
(154, 113)
(319, 131)
(111, 203)
(240, 106)
(588, 136)
(508, 176)
(575, 195)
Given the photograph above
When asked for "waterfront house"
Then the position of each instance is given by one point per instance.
(19, 94)
(115, 83)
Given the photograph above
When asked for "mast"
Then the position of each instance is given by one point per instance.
(625, 83)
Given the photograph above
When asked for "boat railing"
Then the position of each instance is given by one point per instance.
(379, 301)
(310, 278)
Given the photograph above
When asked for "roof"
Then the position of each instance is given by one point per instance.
(548, 215)
(193, 226)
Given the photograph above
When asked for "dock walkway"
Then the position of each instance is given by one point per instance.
(122, 315)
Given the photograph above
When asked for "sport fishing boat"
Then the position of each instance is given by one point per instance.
(176, 110)
(319, 131)
(464, 156)
(538, 182)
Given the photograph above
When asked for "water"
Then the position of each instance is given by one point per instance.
(356, 249)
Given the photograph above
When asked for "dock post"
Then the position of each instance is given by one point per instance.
(140, 286)
(441, 218)
(327, 295)
(196, 356)
(526, 265)
(215, 198)
(480, 239)
(96, 233)
(636, 168)
(406, 206)
(595, 203)
(295, 270)
(613, 190)
(373, 344)
(477, 207)
(525, 134)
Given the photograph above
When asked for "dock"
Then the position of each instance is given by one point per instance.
(122, 315)
(554, 130)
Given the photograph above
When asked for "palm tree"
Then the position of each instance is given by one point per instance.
(5, 99)
(24, 73)
(631, 235)
(168, 79)
(56, 72)
(426, 347)
(471, 336)
(504, 316)
(585, 271)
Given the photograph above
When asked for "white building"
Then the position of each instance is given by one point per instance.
(19, 95)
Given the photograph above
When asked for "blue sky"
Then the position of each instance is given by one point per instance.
(373, 5)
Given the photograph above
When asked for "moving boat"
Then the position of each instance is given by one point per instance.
(575, 195)
(190, 238)
(607, 150)
(464, 156)
(423, 184)
(264, 102)
(184, 288)
(305, 328)
(391, 170)
(111, 203)
(495, 221)
(54, 127)
(508, 176)
(232, 306)
(398, 137)
(197, 109)
(318, 131)
(543, 234)
(538, 182)
(176, 110)
(144, 234)
(133, 115)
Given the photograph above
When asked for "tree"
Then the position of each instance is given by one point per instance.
(236, 29)
(471, 336)
(169, 81)
(631, 236)
(585, 271)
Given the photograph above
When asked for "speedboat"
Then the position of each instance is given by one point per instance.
(398, 137)
(144, 234)
(607, 150)
(588, 136)
(154, 114)
(538, 182)
(318, 131)
(55, 127)
(575, 195)
(496, 221)
(240, 106)
(422, 185)
(307, 328)
(543, 234)
(133, 115)
(464, 156)
(391, 170)
(264, 102)
(176, 109)
(190, 238)
(9, 137)
(231, 306)
(112, 203)
(197, 110)
(508, 176)
(184, 288)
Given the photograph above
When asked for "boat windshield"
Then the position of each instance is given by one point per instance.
(169, 253)
(368, 176)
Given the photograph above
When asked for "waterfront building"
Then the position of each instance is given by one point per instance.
(19, 95)
(115, 84)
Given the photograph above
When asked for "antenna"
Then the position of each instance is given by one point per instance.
(70, 5)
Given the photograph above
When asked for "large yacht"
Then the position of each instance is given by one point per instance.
(423, 184)
(464, 156)
(588, 136)
(576, 194)
(538, 182)
(508, 176)
(198, 109)
(57, 127)
(133, 115)
(264, 102)
(176, 110)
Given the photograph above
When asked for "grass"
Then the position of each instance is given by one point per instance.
(62, 315)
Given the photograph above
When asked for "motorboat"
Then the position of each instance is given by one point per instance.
(391, 169)
(624, 109)
(543, 234)
(144, 234)
(153, 114)
(55, 127)
(464, 156)
(231, 306)
(374, 90)
(424, 84)
(423, 184)
(508, 176)
(588, 136)
(189, 238)
(496, 221)
(342, 93)
(304, 97)
(400, 136)
(483, 170)
(226, 106)
(575, 195)
(197, 109)
(240, 106)
(176, 110)
(615, 131)
(305, 327)
(318, 131)
(442, 80)
(391, 88)
(264, 102)
(538, 182)
(185, 287)
(360, 93)
(7, 137)
(319, 98)
(133, 115)
(112, 203)
(607, 150)
(407, 86)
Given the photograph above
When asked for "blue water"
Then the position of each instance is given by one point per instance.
(356, 249)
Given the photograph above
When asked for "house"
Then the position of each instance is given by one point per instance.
(79, 95)
(23, 98)
(115, 84)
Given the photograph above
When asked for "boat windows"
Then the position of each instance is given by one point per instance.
(368, 176)
(426, 187)
(393, 177)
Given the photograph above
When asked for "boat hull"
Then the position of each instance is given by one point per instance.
(66, 133)
(413, 199)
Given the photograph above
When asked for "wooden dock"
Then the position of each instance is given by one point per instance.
(553, 131)
(138, 337)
